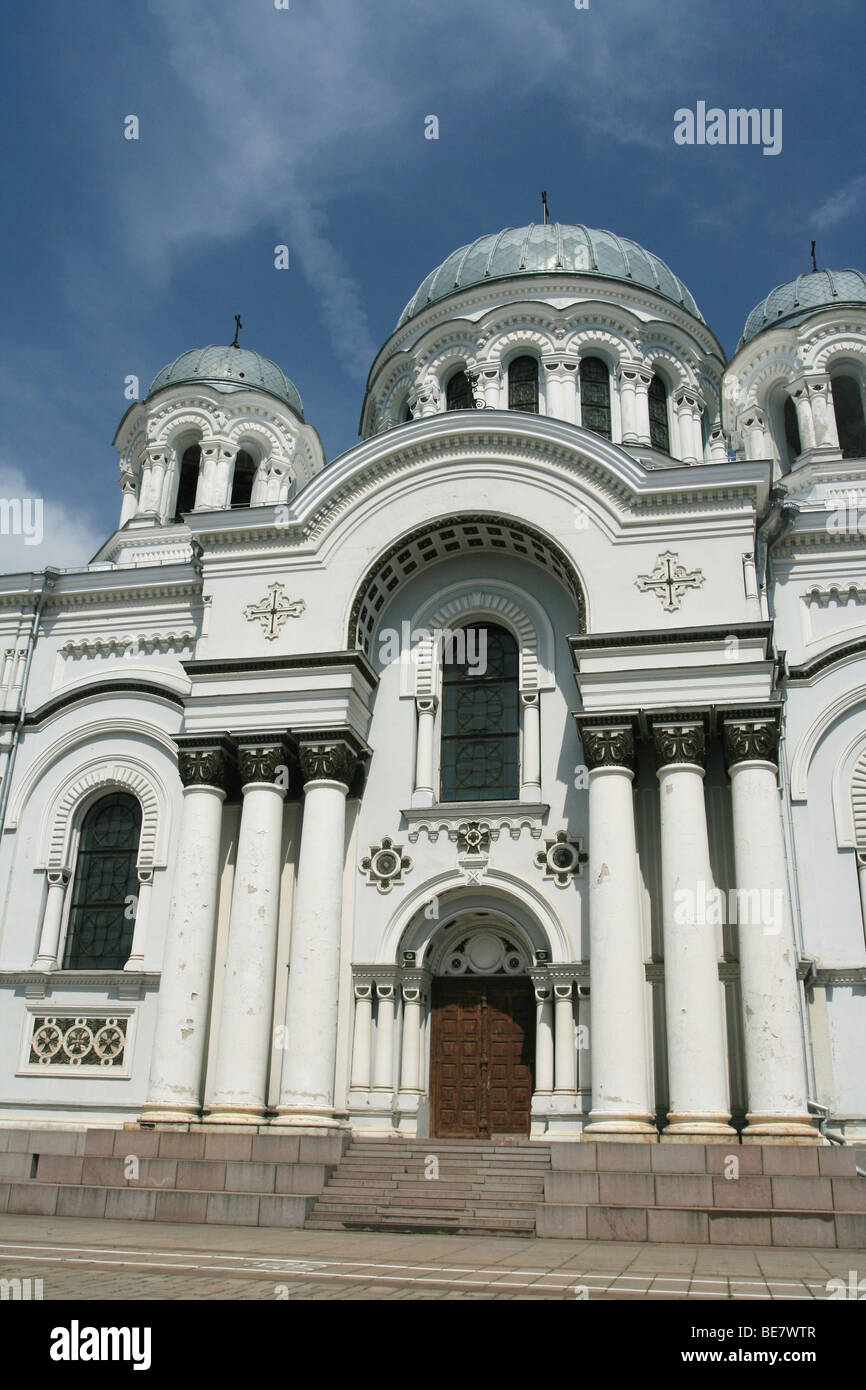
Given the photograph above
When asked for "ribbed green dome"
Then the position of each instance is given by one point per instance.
(556, 248)
(229, 369)
(796, 299)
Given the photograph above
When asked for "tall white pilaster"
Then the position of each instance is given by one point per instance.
(697, 1050)
(530, 769)
(174, 1092)
(621, 1101)
(245, 1029)
(776, 1078)
(307, 1091)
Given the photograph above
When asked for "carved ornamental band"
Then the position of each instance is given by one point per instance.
(751, 740)
(608, 747)
(679, 743)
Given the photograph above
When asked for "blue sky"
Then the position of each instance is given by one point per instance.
(305, 126)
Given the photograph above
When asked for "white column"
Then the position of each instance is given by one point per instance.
(129, 504)
(776, 1078)
(568, 392)
(626, 378)
(641, 407)
(490, 380)
(49, 937)
(410, 1060)
(552, 381)
(177, 1065)
(754, 431)
(565, 1067)
(543, 1040)
(687, 411)
(383, 1066)
(307, 1093)
(861, 874)
(530, 771)
(153, 476)
(216, 458)
(423, 794)
(362, 1038)
(621, 1098)
(694, 1002)
(245, 1030)
(805, 420)
(823, 413)
(142, 919)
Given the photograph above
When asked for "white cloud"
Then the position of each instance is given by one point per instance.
(842, 204)
(36, 531)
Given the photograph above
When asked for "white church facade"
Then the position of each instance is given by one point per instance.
(504, 775)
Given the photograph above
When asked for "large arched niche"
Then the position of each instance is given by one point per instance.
(447, 905)
(443, 539)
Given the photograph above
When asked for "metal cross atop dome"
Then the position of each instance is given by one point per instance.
(545, 207)
(238, 327)
(814, 262)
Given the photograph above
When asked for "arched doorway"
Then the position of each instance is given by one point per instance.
(482, 1031)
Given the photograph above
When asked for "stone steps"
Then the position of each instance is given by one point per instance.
(490, 1189)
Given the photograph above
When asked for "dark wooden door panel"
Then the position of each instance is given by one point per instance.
(482, 1054)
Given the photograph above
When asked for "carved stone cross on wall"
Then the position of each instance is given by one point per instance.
(669, 580)
(274, 610)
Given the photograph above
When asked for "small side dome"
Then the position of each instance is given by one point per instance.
(229, 369)
(796, 299)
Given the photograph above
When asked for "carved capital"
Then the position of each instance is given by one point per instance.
(751, 740)
(608, 746)
(328, 761)
(263, 762)
(679, 743)
(204, 767)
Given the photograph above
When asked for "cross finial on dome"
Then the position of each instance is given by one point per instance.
(545, 207)
(238, 327)
(814, 262)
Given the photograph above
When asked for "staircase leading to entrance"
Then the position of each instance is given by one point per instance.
(453, 1186)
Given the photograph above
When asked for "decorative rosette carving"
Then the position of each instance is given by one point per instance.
(561, 859)
(385, 865)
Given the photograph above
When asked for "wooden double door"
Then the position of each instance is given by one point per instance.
(482, 1055)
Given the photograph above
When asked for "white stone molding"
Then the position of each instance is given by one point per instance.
(506, 605)
(85, 735)
(812, 736)
(83, 788)
(450, 819)
(526, 909)
(120, 644)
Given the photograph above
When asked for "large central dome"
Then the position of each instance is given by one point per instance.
(552, 249)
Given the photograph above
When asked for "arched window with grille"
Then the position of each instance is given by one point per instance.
(595, 396)
(188, 482)
(523, 385)
(848, 409)
(99, 934)
(242, 480)
(458, 393)
(480, 716)
(792, 431)
(660, 436)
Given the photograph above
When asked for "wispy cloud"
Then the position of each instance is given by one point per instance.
(842, 204)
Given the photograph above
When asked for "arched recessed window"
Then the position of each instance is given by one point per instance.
(660, 437)
(848, 409)
(242, 480)
(792, 431)
(595, 396)
(188, 482)
(523, 385)
(458, 393)
(480, 716)
(100, 923)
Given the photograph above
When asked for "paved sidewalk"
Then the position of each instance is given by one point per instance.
(127, 1260)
